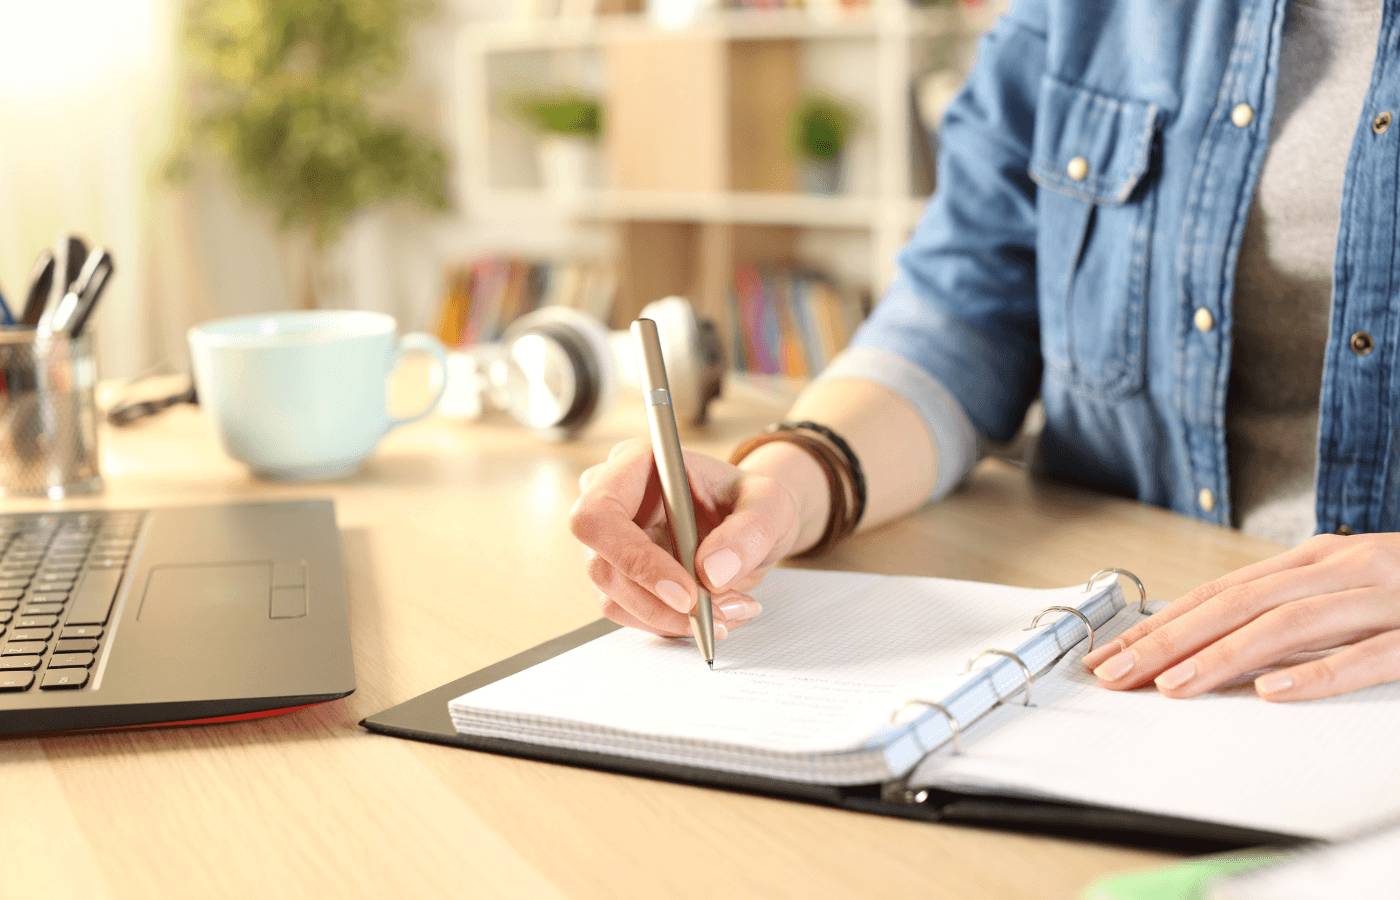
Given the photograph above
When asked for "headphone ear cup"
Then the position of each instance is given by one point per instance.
(563, 377)
(693, 353)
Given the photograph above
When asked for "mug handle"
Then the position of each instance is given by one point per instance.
(423, 343)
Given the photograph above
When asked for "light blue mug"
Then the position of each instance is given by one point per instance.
(303, 396)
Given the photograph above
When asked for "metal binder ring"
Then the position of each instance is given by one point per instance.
(1142, 591)
(952, 721)
(1069, 609)
(1025, 669)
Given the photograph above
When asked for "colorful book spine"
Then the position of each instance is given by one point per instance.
(789, 320)
(484, 296)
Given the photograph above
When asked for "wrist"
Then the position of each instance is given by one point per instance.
(802, 477)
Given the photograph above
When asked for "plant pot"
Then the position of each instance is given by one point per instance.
(823, 176)
(568, 167)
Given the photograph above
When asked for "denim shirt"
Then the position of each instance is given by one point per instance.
(1095, 175)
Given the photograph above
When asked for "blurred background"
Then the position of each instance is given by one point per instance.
(456, 163)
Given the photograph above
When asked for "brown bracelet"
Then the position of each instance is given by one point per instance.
(841, 517)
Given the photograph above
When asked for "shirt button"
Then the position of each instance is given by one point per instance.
(1362, 344)
(1344, 531)
(1078, 168)
(1380, 123)
(1206, 499)
(1204, 320)
(1242, 115)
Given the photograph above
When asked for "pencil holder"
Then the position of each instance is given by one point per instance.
(48, 415)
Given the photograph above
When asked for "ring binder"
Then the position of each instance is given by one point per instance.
(952, 720)
(1142, 591)
(1069, 609)
(898, 791)
(1025, 669)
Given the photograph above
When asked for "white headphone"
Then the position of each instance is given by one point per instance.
(557, 370)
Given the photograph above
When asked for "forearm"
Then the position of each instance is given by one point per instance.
(886, 433)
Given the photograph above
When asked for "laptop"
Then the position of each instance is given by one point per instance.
(113, 618)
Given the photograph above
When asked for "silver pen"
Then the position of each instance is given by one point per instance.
(670, 465)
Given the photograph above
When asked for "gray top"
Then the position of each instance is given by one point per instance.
(1283, 287)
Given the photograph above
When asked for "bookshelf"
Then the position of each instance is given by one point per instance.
(697, 180)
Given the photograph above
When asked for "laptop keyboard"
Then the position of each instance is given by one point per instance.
(59, 573)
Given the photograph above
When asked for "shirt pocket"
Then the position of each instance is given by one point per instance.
(1091, 155)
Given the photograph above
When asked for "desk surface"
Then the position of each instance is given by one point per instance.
(457, 554)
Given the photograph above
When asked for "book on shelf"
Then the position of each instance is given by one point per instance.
(486, 295)
(789, 320)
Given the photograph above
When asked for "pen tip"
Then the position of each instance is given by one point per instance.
(712, 664)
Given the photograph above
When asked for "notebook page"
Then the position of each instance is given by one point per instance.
(1365, 867)
(818, 674)
(1323, 768)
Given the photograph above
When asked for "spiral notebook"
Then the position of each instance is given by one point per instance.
(940, 700)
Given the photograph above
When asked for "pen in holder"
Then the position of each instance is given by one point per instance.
(48, 414)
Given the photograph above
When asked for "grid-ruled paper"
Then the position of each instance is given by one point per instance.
(804, 692)
(1320, 768)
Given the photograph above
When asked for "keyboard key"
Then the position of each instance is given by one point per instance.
(19, 662)
(5, 615)
(70, 661)
(10, 584)
(42, 609)
(80, 631)
(48, 597)
(18, 570)
(32, 634)
(26, 649)
(107, 564)
(36, 622)
(62, 567)
(57, 679)
(93, 599)
(65, 579)
(75, 645)
(11, 594)
(18, 681)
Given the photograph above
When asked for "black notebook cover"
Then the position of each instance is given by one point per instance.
(425, 718)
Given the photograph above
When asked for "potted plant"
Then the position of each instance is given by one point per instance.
(818, 132)
(567, 126)
(286, 92)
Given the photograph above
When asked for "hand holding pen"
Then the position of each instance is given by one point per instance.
(746, 523)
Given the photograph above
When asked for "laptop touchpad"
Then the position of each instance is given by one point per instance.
(205, 596)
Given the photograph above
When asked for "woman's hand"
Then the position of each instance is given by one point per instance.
(1329, 592)
(746, 522)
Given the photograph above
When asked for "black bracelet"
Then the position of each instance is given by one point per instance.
(857, 474)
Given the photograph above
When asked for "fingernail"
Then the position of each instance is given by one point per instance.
(720, 631)
(1177, 675)
(721, 567)
(1273, 683)
(1101, 653)
(1117, 666)
(740, 610)
(673, 595)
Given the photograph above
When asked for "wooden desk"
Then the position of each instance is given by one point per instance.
(458, 554)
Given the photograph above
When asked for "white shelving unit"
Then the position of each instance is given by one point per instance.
(891, 44)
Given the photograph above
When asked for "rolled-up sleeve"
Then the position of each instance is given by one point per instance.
(963, 306)
(955, 441)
